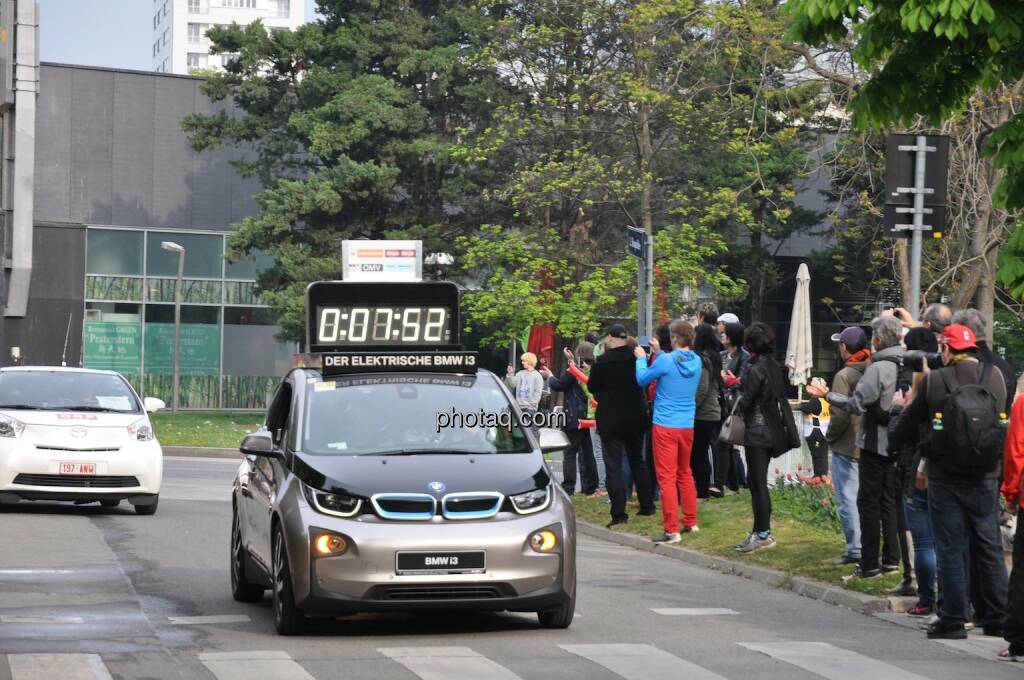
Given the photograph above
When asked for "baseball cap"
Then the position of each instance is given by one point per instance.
(959, 337)
(617, 330)
(853, 337)
(728, 317)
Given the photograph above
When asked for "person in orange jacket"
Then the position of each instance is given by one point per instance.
(1013, 478)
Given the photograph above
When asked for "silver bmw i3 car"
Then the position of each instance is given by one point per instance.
(411, 486)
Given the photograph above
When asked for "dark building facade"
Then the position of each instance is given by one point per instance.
(114, 178)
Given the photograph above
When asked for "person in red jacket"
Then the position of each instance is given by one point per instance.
(1013, 478)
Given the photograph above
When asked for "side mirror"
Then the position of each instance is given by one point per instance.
(152, 404)
(260, 444)
(552, 440)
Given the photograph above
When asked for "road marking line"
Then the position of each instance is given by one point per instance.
(63, 666)
(830, 661)
(444, 663)
(265, 665)
(22, 572)
(642, 662)
(41, 619)
(201, 620)
(695, 611)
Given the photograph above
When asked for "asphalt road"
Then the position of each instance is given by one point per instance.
(92, 593)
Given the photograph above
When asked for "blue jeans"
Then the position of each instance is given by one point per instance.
(966, 514)
(845, 478)
(920, 524)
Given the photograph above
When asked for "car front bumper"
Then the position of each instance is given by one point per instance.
(133, 472)
(364, 578)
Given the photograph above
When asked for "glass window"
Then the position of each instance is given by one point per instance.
(67, 391)
(283, 8)
(249, 267)
(195, 34)
(112, 338)
(355, 415)
(199, 356)
(204, 255)
(194, 59)
(195, 6)
(113, 251)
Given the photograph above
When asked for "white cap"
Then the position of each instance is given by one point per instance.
(728, 317)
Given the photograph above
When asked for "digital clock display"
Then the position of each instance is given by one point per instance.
(391, 325)
(347, 316)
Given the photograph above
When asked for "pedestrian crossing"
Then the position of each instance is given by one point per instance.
(623, 660)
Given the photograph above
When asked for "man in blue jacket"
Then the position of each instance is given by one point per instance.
(678, 374)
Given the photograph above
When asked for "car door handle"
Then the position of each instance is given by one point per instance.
(246, 493)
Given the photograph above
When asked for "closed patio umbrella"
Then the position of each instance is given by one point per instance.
(799, 358)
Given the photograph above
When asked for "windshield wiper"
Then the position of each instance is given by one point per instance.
(425, 452)
(96, 409)
(26, 407)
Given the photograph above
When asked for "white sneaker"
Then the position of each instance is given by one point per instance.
(691, 530)
(670, 538)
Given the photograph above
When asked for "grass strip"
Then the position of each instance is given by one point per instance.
(802, 549)
(208, 429)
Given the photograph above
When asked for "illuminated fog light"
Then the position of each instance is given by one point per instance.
(327, 545)
(543, 541)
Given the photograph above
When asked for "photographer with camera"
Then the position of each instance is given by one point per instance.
(935, 318)
(964, 402)
(877, 492)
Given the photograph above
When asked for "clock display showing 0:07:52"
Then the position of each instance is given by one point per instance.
(395, 325)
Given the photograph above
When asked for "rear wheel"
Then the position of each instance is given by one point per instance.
(241, 589)
(288, 618)
(110, 503)
(560, 616)
(148, 509)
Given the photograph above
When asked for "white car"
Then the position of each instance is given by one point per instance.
(73, 434)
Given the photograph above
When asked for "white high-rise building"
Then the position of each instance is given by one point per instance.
(179, 28)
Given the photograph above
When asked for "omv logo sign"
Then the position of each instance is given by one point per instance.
(437, 487)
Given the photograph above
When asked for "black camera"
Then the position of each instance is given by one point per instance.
(915, 359)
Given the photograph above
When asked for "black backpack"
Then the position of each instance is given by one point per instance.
(971, 438)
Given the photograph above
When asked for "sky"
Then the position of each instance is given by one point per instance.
(111, 33)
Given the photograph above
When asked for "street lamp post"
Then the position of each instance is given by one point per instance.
(180, 250)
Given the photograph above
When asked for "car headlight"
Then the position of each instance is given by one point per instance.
(531, 501)
(11, 427)
(141, 430)
(337, 504)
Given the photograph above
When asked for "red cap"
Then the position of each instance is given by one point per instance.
(959, 337)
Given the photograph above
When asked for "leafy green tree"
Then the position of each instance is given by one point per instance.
(348, 122)
(930, 58)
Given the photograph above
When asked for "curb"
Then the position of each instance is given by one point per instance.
(201, 452)
(816, 590)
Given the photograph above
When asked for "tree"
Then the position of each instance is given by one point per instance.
(348, 123)
(933, 58)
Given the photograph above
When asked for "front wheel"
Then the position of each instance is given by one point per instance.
(288, 618)
(241, 589)
(560, 616)
(148, 509)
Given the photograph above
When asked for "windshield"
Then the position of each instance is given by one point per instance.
(66, 391)
(410, 414)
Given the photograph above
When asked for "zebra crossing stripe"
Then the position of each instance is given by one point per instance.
(63, 666)
(265, 665)
(642, 662)
(203, 620)
(830, 661)
(444, 663)
(694, 611)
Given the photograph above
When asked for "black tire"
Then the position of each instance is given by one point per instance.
(241, 589)
(110, 503)
(288, 618)
(148, 509)
(561, 616)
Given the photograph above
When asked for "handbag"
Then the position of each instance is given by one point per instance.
(785, 436)
(733, 429)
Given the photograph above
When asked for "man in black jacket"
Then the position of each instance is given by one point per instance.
(974, 320)
(579, 440)
(964, 505)
(621, 422)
